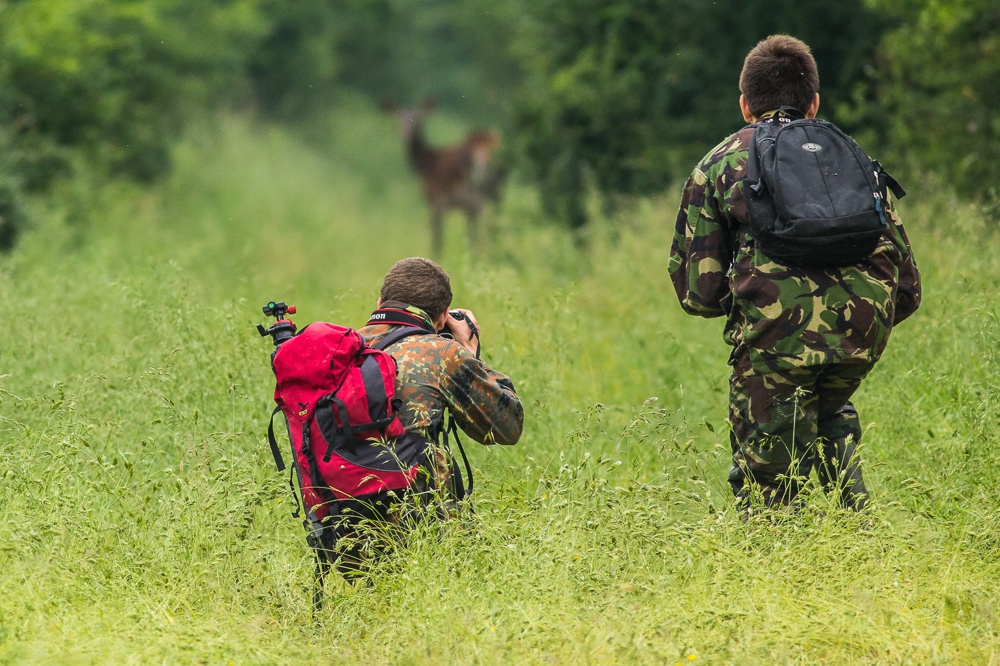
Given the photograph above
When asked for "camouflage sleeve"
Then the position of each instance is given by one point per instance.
(699, 253)
(908, 285)
(483, 401)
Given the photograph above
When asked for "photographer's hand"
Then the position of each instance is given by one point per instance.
(464, 334)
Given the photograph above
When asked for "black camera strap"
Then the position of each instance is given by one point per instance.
(475, 334)
(460, 488)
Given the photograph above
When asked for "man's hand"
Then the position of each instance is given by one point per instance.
(462, 332)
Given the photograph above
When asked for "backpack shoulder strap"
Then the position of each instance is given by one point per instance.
(275, 451)
(398, 335)
(886, 179)
(761, 131)
(753, 161)
(462, 491)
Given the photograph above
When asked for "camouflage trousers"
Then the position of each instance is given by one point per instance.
(786, 423)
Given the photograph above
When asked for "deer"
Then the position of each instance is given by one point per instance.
(461, 176)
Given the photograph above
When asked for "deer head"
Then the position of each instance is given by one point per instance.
(410, 120)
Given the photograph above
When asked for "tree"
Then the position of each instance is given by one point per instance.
(625, 95)
(108, 83)
(296, 62)
(453, 50)
(934, 98)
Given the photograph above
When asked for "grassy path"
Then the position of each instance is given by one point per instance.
(142, 521)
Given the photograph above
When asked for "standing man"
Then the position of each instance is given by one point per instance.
(803, 336)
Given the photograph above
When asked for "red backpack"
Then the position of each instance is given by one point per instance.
(338, 398)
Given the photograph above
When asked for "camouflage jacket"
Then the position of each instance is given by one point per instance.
(782, 316)
(436, 373)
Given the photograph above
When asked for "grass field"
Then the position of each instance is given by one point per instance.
(142, 520)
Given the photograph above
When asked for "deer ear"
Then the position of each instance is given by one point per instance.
(388, 105)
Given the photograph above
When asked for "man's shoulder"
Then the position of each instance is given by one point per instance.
(421, 350)
(731, 152)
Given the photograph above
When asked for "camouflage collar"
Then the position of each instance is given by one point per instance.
(397, 313)
(785, 114)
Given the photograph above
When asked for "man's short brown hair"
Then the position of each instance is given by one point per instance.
(779, 71)
(419, 282)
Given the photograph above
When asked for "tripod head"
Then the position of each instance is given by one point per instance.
(282, 329)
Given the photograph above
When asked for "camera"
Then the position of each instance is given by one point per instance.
(460, 316)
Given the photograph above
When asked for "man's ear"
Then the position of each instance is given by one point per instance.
(814, 107)
(379, 303)
(441, 322)
(745, 108)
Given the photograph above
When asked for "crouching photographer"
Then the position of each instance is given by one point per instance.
(441, 384)
(369, 412)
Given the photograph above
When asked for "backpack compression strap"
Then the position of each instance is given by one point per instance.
(753, 162)
(890, 182)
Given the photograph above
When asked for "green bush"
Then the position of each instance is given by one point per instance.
(624, 96)
(934, 97)
(104, 85)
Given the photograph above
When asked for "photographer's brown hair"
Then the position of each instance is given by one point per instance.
(779, 71)
(419, 282)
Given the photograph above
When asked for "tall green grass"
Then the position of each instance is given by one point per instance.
(142, 519)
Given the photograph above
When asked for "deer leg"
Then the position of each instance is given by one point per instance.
(473, 211)
(437, 218)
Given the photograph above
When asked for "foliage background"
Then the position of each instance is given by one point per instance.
(625, 96)
(172, 165)
(933, 89)
(600, 100)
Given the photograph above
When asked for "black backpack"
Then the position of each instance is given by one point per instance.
(814, 197)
